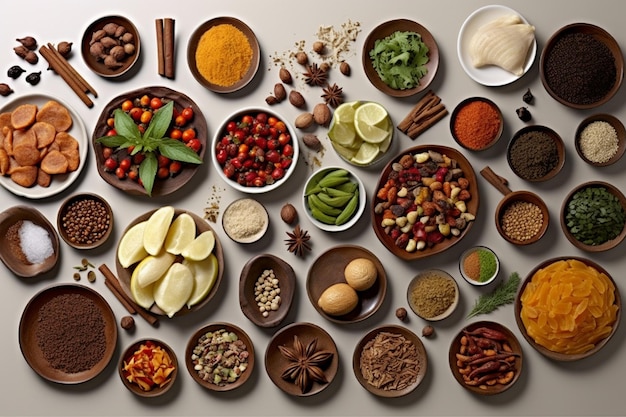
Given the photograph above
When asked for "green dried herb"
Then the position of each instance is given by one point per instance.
(594, 216)
(503, 294)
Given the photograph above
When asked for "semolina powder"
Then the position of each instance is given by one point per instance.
(223, 55)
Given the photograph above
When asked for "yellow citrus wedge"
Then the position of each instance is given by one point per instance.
(181, 233)
(156, 229)
(371, 113)
(366, 154)
(204, 274)
(173, 290)
(342, 134)
(347, 153)
(151, 268)
(344, 113)
(199, 248)
(131, 249)
(371, 133)
(143, 296)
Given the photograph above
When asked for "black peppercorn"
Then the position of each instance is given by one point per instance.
(523, 114)
(528, 97)
(33, 78)
(15, 71)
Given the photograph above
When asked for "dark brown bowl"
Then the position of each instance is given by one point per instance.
(457, 365)
(124, 274)
(527, 197)
(420, 353)
(9, 251)
(192, 46)
(161, 187)
(558, 141)
(388, 28)
(214, 327)
(328, 269)
(422, 275)
(31, 320)
(557, 356)
(619, 130)
(306, 333)
(455, 114)
(250, 273)
(610, 244)
(133, 387)
(97, 65)
(600, 35)
(472, 204)
(63, 210)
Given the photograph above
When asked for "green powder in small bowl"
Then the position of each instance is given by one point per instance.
(479, 265)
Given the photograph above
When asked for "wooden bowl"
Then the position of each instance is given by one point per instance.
(250, 273)
(31, 321)
(609, 244)
(411, 292)
(161, 187)
(76, 199)
(236, 209)
(484, 389)
(124, 274)
(306, 333)
(472, 204)
(619, 130)
(133, 387)
(386, 29)
(410, 339)
(560, 148)
(598, 34)
(97, 65)
(9, 250)
(217, 327)
(557, 356)
(328, 269)
(455, 114)
(525, 197)
(192, 47)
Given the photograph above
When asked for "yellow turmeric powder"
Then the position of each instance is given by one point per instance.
(223, 55)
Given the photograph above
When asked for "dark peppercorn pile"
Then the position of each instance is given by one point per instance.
(533, 155)
(86, 221)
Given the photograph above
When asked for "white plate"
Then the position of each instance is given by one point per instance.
(59, 182)
(490, 75)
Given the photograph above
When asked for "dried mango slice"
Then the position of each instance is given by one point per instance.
(43, 178)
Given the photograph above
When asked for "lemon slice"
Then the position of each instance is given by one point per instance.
(200, 248)
(156, 229)
(204, 274)
(371, 133)
(345, 152)
(152, 268)
(342, 134)
(131, 247)
(371, 114)
(173, 290)
(366, 154)
(344, 113)
(384, 145)
(143, 296)
(181, 233)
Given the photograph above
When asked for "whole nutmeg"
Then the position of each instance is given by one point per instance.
(296, 99)
(324, 67)
(285, 75)
(322, 114)
(127, 323)
(288, 213)
(304, 120)
(428, 331)
(344, 68)
(312, 141)
(302, 58)
(279, 92)
(271, 100)
(401, 313)
(318, 47)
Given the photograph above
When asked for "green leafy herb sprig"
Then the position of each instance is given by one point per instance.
(153, 140)
(503, 294)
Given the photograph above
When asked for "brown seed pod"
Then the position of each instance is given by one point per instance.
(64, 48)
(31, 57)
(288, 213)
(271, 100)
(302, 58)
(279, 92)
(296, 99)
(285, 75)
(304, 120)
(322, 114)
(5, 90)
(344, 68)
(28, 42)
(312, 141)
(21, 51)
(319, 47)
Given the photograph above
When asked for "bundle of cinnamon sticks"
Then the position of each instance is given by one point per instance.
(165, 46)
(426, 112)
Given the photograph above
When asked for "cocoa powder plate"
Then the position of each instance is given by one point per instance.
(37, 351)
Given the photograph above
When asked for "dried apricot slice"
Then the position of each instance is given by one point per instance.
(26, 155)
(23, 116)
(44, 132)
(54, 163)
(24, 176)
(43, 178)
(56, 114)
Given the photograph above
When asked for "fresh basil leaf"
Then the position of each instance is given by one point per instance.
(178, 151)
(114, 141)
(160, 122)
(125, 126)
(147, 172)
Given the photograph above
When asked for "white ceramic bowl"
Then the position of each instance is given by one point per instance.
(464, 273)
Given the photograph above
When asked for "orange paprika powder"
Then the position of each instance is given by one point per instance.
(476, 125)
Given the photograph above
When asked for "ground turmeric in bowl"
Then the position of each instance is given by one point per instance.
(476, 124)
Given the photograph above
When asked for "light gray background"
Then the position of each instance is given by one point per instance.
(589, 387)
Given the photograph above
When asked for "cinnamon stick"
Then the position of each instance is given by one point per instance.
(418, 129)
(168, 46)
(421, 103)
(109, 276)
(160, 53)
(79, 78)
(62, 70)
(494, 179)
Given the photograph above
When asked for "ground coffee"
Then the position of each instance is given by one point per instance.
(533, 155)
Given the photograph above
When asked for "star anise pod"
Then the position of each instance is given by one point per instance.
(298, 241)
(315, 75)
(333, 95)
(306, 363)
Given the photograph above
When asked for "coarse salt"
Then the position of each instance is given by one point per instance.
(599, 142)
(35, 242)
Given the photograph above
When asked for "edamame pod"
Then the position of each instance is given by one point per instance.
(324, 218)
(334, 192)
(348, 187)
(334, 201)
(349, 210)
(315, 202)
(333, 181)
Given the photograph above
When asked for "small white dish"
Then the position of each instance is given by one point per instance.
(245, 208)
(492, 75)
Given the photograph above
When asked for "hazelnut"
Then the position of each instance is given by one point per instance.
(127, 323)
(279, 92)
(344, 68)
(322, 114)
(285, 75)
(318, 47)
(304, 120)
(288, 213)
(312, 141)
(401, 313)
(296, 99)
(302, 58)
(428, 331)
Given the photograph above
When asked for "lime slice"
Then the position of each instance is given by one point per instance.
(200, 248)
(342, 134)
(173, 290)
(344, 113)
(131, 247)
(204, 274)
(384, 145)
(181, 233)
(371, 133)
(152, 268)
(156, 229)
(143, 296)
(345, 152)
(366, 154)
(371, 114)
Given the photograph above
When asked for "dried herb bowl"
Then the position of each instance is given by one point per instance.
(536, 153)
(479, 265)
(85, 221)
(433, 294)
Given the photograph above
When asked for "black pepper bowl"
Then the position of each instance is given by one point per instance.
(574, 237)
(79, 226)
(532, 170)
(620, 133)
(554, 71)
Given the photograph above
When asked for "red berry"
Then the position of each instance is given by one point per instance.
(110, 164)
(175, 167)
(163, 161)
(194, 144)
(125, 164)
(120, 173)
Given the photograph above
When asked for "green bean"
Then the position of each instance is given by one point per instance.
(348, 210)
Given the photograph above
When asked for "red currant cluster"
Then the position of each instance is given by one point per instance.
(255, 150)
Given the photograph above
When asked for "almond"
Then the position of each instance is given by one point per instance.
(344, 68)
(285, 75)
(296, 99)
(279, 92)
(322, 114)
(304, 121)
